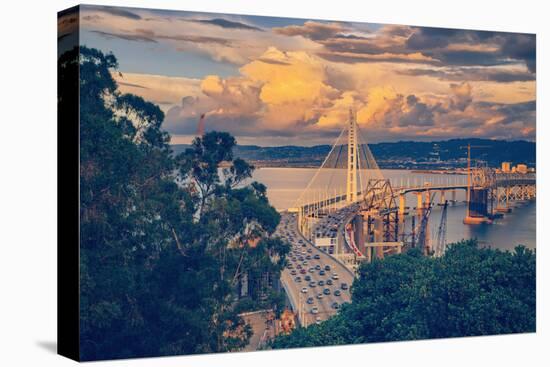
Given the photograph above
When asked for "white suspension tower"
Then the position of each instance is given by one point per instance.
(353, 161)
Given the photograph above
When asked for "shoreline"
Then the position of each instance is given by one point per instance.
(424, 171)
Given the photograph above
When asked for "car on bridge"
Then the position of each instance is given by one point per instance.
(316, 274)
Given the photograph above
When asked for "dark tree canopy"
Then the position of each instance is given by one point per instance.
(164, 240)
(469, 291)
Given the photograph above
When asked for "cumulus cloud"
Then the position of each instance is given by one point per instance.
(293, 94)
(235, 96)
(299, 80)
(385, 108)
(282, 91)
(293, 86)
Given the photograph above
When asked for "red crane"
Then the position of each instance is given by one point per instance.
(200, 126)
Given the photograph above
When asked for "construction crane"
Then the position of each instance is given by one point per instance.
(442, 233)
(423, 231)
(200, 126)
(422, 237)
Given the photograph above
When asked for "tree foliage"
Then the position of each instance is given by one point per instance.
(469, 291)
(164, 240)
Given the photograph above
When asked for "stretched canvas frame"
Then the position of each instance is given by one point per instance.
(287, 82)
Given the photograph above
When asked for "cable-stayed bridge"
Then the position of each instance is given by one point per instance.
(350, 213)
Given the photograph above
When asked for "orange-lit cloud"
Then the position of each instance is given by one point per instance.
(297, 80)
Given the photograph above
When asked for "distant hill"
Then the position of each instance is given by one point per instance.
(403, 154)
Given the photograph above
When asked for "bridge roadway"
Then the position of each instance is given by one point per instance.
(301, 247)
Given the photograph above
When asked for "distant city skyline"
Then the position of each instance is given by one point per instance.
(282, 81)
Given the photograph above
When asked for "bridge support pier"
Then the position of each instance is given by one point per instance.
(379, 237)
(402, 203)
(419, 202)
(401, 217)
(477, 207)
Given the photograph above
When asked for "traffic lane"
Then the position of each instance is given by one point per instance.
(325, 301)
(328, 300)
(338, 266)
(342, 277)
(323, 307)
(325, 304)
(301, 298)
(296, 289)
